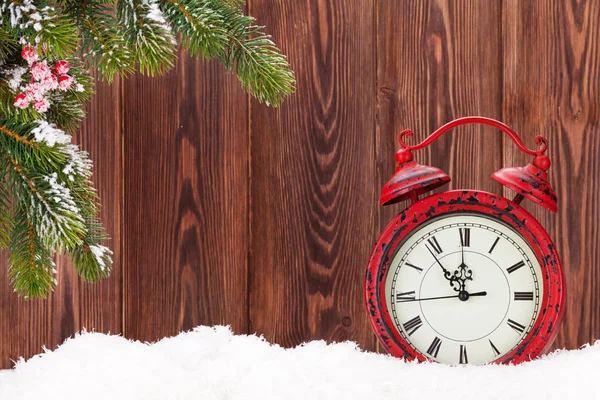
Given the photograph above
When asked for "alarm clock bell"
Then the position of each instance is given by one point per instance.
(530, 181)
(412, 179)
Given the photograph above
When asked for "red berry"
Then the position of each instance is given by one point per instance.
(62, 67)
(29, 54)
(21, 101)
(41, 105)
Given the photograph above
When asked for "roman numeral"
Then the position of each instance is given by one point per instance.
(434, 349)
(516, 326)
(434, 243)
(494, 349)
(523, 295)
(494, 245)
(411, 326)
(406, 296)
(413, 266)
(516, 267)
(463, 355)
(465, 236)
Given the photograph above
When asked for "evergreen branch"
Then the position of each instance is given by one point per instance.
(8, 44)
(37, 22)
(146, 29)
(6, 223)
(92, 261)
(219, 29)
(47, 199)
(51, 206)
(258, 64)
(23, 146)
(201, 27)
(31, 269)
(16, 136)
(65, 111)
(103, 44)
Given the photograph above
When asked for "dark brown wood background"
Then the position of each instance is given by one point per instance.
(225, 211)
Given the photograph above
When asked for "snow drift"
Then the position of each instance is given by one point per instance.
(212, 363)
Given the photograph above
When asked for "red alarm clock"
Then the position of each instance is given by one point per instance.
(466, 276)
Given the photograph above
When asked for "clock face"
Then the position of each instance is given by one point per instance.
(464, 288)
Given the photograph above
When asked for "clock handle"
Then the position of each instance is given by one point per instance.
(529, 182)
(540, 140)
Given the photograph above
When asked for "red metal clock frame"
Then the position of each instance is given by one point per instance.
(551, 310)
(412, 179)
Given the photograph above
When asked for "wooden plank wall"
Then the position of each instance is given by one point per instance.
(225, 211)
(552, 87)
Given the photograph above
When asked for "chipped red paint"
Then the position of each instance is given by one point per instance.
(544, 330)
(529, 181)
(412, 176)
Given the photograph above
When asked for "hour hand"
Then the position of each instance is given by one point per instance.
(447, 273)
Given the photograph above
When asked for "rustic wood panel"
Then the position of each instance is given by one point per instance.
(313, 192)
(186, 202)
(552, 87)
(27, 326)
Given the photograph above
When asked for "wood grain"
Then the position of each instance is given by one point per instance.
(27, 326)
(185, 203)
(552, 87)
(313, 193)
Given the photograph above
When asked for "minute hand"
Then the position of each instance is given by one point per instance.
(444, 297)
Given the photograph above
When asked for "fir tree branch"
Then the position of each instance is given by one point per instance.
(6, 224)
(47, 199)
(15, 136)
(201, 27)
(216, 28)
(8, 44)
(259, 65)
(31, 268)
(147, 31)
(38, 23)
(103, 44)
(52, 209)
(92, 261)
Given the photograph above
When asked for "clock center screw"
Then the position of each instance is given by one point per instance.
(463, 295)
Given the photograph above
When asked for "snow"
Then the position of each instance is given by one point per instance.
(24, 14)
(102, 254)
(49, 134)
(78, 162)
(212, 363)
(155, 14)
(16, 76)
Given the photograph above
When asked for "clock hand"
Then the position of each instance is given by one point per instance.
(446, 297)
(447, 273)
(462, 275)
